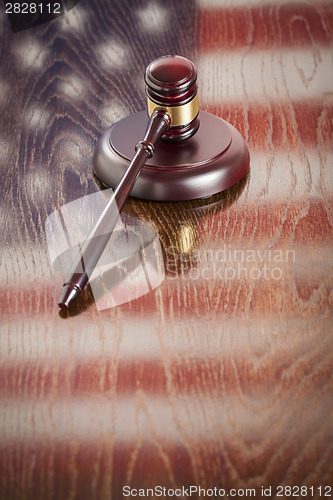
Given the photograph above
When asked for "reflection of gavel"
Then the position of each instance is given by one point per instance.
(173, 109)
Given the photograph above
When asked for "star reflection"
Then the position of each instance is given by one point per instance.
(36, 117)
(111, 54)
(73, 87)
(74, 20)
(5, 147)
(30, 54)
(153, 18)
(112, 112)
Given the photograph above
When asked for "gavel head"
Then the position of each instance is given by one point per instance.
(171, 85)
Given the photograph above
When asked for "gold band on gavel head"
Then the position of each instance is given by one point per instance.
(180, 115)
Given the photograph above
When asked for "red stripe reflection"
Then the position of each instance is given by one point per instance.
(265, 27)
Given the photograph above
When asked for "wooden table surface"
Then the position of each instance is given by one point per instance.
(221, 376)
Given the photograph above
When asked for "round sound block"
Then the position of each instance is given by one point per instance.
(215, 158)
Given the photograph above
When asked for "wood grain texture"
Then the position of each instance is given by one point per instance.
(221, 376)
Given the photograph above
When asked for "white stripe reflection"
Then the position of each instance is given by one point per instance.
(275, 75)
(28, 342)
(96, 419)
(223, 4)
(277, 176)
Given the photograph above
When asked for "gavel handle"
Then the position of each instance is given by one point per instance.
(100, 234)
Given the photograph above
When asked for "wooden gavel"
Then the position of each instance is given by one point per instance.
(191, 162)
